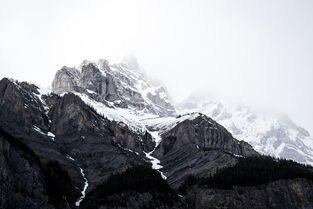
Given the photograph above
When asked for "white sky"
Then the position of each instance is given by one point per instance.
(256, 52)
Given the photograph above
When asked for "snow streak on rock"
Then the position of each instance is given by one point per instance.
(49, 134)
(155, 162)
(83, 192)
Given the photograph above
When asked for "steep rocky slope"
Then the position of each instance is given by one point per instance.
(198, 145)
(84, 144)
(22, 180)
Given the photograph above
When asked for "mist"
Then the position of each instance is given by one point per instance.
(258, 53)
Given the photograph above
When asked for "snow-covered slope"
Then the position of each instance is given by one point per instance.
(268, 134)
(136, 120)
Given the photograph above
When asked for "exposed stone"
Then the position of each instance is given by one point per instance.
(66, 80)
(123, 84)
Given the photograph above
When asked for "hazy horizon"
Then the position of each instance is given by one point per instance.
(257, 53)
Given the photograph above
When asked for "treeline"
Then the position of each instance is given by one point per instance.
(139, 179)
(251, 171)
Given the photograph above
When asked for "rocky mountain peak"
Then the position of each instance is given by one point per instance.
(104, 64)
(123, 84)
(67, 79)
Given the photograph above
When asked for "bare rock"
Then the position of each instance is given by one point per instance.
(66, 80)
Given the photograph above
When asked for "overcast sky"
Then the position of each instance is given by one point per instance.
(255, 52)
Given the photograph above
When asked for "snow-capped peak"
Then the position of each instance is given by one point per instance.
(123, 84)
(269, 134)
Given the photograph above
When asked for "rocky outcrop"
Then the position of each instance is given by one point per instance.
(201, 144)
(96, 80)
(66, 80)
(205, 134)
(20, 107)
(281, 194)
(123, 84)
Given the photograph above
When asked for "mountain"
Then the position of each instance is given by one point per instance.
(149, 114)
(83, 147)
(107, 137)
(276, 135)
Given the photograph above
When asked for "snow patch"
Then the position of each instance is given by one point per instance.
(49, 134)
(235, 155)
(155, 163)
(38, 130)
(69, 157)
(91, 92)
(156, 137)
(126, 149)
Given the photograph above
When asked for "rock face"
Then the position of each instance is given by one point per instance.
(66, 80)
(296, 193)
(123, 84)
(20, 107)
(22, 181)
(205, 134)
(201, 144)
